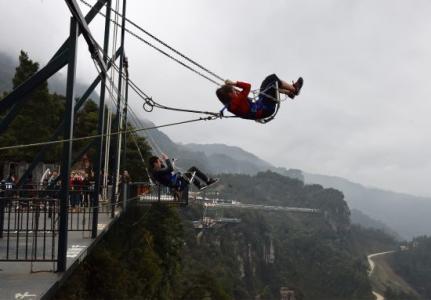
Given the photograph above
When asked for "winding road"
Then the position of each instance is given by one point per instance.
(372, 265)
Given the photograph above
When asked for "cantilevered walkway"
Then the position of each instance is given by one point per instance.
(29, 234)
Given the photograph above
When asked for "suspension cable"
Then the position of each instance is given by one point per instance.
(169, 47)
(114, 101)
(135, 140)
(149, 103)
(161, 42)
(164, 52)
(150, 139)
(209, 118)
(138, 123)
(148, 136)
(104, 135)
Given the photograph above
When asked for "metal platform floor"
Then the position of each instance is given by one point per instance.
(37, 280)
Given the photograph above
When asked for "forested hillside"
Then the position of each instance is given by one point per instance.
(41, 115)
(156, 253)
(406, 214)
(359, 218)
(414, 265)
(57, 83)
(399, 214)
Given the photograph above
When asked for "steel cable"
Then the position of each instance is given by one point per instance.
(164, 52)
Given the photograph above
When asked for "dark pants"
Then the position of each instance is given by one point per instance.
(199, 176)
(75, 198)
(268, 91)
(266, 102)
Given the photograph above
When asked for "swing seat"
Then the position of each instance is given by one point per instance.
(277, 107)
(180, 193)
(256, 93)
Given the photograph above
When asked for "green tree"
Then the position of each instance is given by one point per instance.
(137, 154)
(37, 118)
(86, 121)
(139, 258)
(414, 265)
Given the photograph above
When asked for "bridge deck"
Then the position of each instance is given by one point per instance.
(28, 281)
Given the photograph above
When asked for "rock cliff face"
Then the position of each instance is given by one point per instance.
(269, 250)
(307, 255)
(153, 253)
(407, 215)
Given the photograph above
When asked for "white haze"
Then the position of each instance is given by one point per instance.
(365, 107)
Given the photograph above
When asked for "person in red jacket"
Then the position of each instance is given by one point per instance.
(237, 101)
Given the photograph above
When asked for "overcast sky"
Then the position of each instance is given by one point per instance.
(364, 113)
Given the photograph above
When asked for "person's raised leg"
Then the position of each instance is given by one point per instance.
(286, 87)
(198, 173)
(291, 90)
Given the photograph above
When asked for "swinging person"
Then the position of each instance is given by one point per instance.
(237, 101)
(162, 171)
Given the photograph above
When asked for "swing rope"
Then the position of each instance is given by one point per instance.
(149, 103)
(167, 46)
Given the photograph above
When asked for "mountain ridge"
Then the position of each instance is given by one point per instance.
(404, 214)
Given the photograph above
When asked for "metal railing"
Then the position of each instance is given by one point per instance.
(28, 229)
(29, 221)
(147, 193)
(29, 217)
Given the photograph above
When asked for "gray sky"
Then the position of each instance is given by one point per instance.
(364, 113)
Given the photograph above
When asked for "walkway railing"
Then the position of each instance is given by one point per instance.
(29, 221)
(147, 193)
(28, 229)
(29, 216)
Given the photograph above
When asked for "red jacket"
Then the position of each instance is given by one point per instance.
(240, 104)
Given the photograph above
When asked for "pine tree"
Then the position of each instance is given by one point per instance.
(37, 119)
(42, 114)
(135, 164)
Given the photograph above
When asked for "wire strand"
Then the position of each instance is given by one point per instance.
(148, 101)
(151, 140)
(164, 52)
(103, 135)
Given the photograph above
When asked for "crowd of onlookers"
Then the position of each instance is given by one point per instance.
(81, 187)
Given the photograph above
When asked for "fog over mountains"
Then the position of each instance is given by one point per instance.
(407, 215)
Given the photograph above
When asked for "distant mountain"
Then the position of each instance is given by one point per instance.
(234, 153)
(406, 214)
(229, 159)
(160, 142)
(359, 218)
(212, 158)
